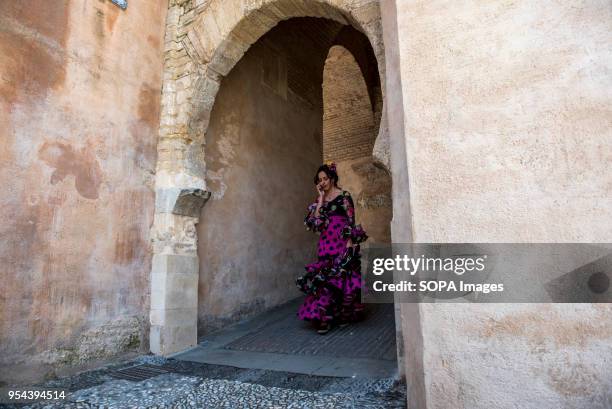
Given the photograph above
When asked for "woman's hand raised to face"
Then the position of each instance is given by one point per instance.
(321, 192)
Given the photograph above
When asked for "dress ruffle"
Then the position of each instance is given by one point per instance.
(319, 274)
(355, 233)
(315, 223)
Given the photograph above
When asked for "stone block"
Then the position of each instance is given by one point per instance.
(190, 201)
(181, 317)
(166, 339)
(174, 264)
(167, 119)
(174, 282)
(182, 202)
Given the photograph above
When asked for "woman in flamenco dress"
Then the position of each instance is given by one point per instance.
(333, 283)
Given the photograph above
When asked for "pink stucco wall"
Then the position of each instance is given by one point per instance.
(79, 112)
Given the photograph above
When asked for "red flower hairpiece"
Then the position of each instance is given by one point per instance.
(332, 166)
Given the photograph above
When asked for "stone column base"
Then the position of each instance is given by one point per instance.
(174, 303)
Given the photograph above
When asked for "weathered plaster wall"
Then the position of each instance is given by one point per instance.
(263, 146)
(508, 126)
(349, 132)
(79, 115)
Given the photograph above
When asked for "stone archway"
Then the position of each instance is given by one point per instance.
(204, 40)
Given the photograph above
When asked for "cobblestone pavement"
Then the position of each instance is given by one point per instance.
(154, 382)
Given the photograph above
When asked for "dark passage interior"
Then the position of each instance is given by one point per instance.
(305, 92)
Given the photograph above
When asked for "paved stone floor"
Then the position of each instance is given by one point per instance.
(244, 382)
(277, 340)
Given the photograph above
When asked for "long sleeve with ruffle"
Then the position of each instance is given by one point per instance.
(315, 223)
(352, 231)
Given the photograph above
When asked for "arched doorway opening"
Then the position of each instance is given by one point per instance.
(204, 43)
(277, 115)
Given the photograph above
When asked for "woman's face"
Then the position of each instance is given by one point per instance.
(324, 181)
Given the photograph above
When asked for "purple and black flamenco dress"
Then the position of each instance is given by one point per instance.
(333, 283)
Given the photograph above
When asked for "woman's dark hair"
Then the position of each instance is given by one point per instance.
(330, 171)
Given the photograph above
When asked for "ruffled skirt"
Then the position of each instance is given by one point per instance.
(333, 289)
